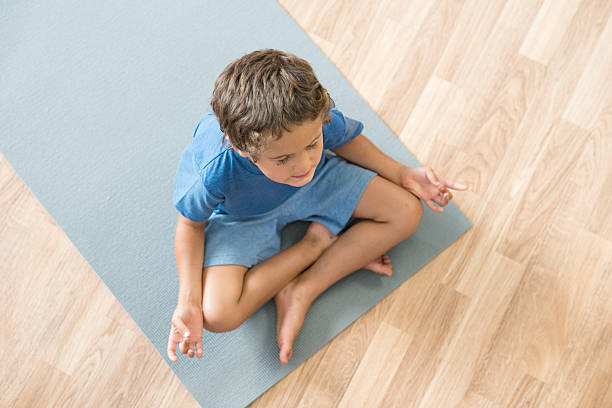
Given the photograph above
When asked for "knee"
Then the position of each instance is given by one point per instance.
(219, 319)
(409, 214)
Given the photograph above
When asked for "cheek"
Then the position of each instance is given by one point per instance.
(317, 155)
(278, 173)
(283, 172)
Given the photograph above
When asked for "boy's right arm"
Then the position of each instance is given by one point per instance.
(189, 253)
(187, 320)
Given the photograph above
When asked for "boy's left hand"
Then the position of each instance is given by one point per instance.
(423, 182)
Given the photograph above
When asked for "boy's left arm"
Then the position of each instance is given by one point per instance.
(421, 181)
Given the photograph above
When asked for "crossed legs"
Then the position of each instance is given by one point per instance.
(232, 293)
(391, 214)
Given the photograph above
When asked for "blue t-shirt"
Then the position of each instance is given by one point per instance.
(213, 177)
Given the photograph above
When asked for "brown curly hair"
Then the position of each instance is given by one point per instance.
(264, 93)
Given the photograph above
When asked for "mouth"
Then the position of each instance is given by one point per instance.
(303, 175)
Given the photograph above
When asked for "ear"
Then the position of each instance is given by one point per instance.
(240, 152)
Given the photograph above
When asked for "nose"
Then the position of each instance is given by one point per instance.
(304, 164)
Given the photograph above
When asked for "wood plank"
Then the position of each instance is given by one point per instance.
(341, 359)
(546, 32)
(599, 392)
(417, 66)
(432, 337)
(500, 277)
(492, 153)
(564, 143)
(592, 178)
(473, 28)
(499, 52)
(595, 85)
(377, 367)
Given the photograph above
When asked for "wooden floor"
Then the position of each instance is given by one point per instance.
(511, 97)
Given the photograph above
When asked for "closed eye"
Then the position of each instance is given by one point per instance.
(312, 146)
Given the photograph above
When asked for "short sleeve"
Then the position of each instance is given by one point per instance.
(340, 130)
(191, 198)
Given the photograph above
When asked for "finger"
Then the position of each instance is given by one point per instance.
(445, 183)
(172, 349)
(443, 197)
(433, 207)
(431, 176)
(176, 335)
(180, 326)
(453, 185)
(200, 349)
(458, 186)
(440, 200)
(191, 351)
(186, 340)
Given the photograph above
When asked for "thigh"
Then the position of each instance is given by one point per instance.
(245, 241)
(385, 201)
(221, 287)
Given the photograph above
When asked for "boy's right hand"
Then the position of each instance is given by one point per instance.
(186, 330)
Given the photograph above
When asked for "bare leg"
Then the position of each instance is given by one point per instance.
(232, 293)
(355, 248)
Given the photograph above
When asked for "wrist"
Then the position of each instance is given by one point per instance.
(403, 174)
(190, 299)
(406, 176)
(407, 179)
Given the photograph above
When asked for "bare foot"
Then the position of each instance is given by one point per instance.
(381, 265)
(291, 308)
(291, 305)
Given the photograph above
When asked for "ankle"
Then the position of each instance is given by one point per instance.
(299, 289)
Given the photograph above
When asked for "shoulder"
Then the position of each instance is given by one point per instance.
(335, 126)
(340, 130)
(205, 157)
(339, 123)
(337, 119)
(207, 143)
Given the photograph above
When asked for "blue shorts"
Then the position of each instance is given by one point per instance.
(330, 198)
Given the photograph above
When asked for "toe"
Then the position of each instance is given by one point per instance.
(285, 354)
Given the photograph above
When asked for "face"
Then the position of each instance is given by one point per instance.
(293, 158)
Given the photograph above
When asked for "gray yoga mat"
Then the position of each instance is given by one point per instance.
(98, 100)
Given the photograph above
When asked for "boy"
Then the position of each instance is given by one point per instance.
(258, 162)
